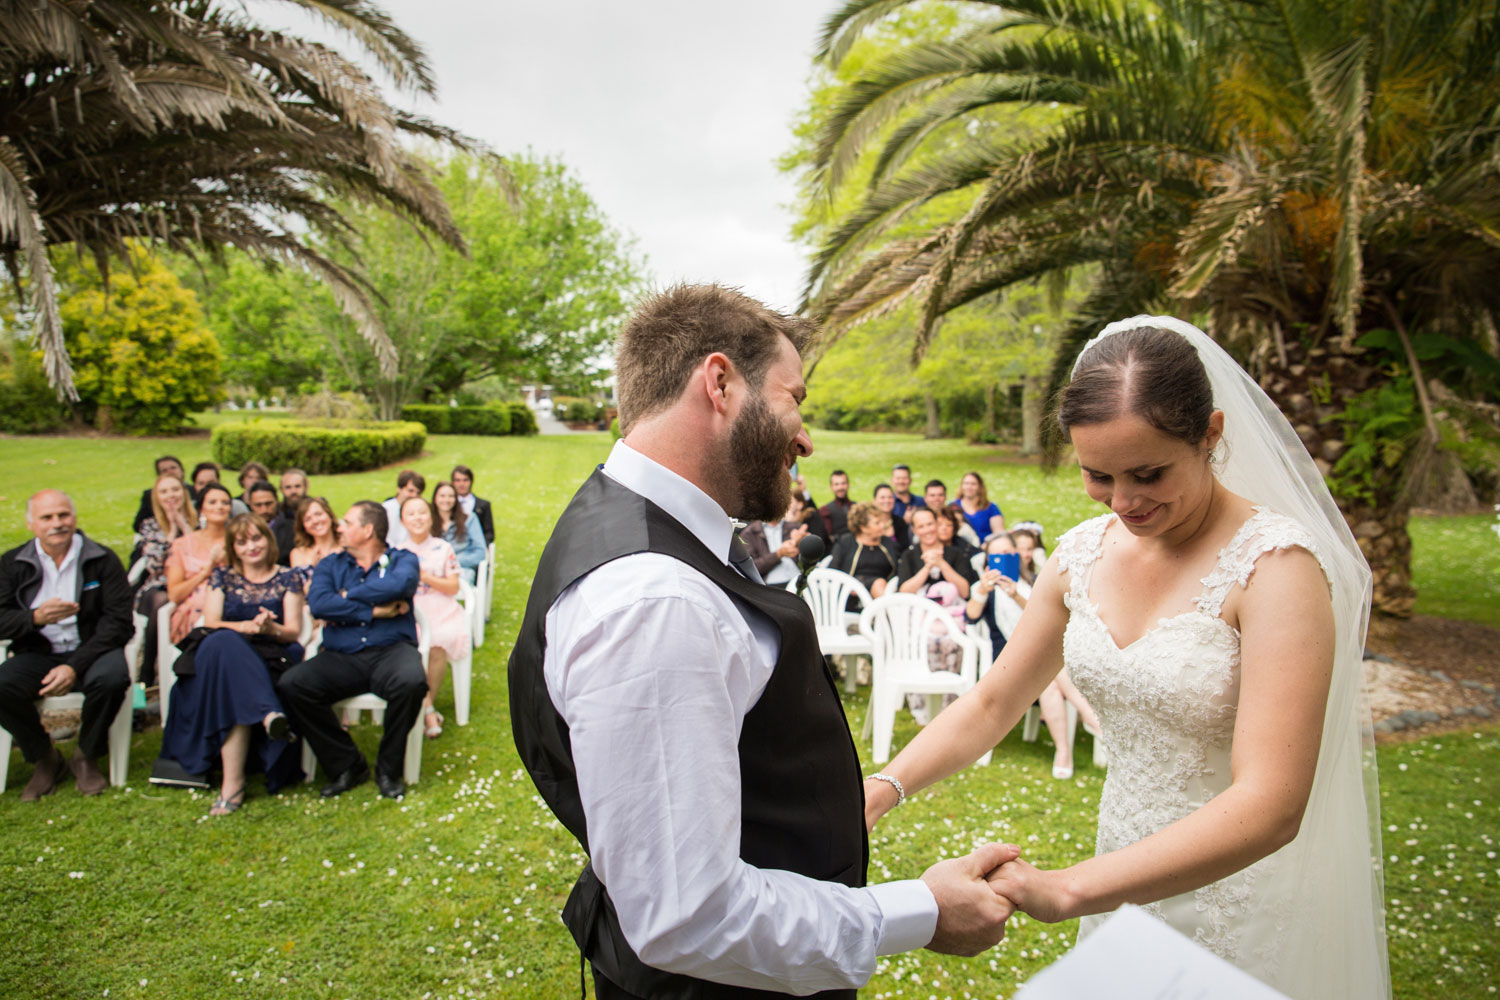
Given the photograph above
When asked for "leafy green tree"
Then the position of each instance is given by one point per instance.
(143, 360)
(538, 296)
(1298, 175)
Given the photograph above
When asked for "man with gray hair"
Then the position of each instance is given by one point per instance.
(65, 608)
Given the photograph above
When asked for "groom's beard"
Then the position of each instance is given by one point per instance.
(756, 464)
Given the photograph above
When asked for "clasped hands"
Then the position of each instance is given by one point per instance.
(976, 895)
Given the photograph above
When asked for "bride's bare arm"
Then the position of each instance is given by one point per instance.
(982, 717)
(1286, 627)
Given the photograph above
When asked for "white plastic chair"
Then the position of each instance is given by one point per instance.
(479, 608)
(900, 627)
(462, 671)
(489, 587)
(119, 729)
(827, 594)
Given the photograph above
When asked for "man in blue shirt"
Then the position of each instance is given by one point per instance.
(363, 594)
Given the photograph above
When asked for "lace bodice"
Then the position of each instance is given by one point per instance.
(243, 600)
(1167, 704)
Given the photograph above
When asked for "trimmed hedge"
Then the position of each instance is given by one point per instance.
(522, 420)
(317, 449)
(484, 420)
(493, 420)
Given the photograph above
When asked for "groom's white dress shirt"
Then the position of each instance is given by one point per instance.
(654, 668)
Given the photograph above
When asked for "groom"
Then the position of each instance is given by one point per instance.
(675, 713)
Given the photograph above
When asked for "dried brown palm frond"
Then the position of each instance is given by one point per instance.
(191, 126)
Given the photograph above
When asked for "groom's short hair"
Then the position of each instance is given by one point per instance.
(670, 333)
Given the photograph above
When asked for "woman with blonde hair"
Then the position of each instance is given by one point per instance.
(193, 557)
(172, 517)
(974, 504)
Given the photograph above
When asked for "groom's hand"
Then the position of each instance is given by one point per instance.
(971, 915)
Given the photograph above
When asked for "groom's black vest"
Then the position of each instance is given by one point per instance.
(802, 798)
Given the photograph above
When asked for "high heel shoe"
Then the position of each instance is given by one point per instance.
(434, 729)
(1061, 773)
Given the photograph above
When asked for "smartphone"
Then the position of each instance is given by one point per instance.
(1007, 563)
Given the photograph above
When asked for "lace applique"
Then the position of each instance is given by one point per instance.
(1264, 531)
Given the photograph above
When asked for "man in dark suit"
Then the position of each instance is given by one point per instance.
(167, 465)
(284, 523)
(836, 511)
(463, 484)
(65, 607)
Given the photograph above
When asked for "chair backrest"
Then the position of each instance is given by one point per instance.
(828, 592)
(900, 625)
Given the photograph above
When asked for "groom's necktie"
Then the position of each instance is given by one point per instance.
(739, 558)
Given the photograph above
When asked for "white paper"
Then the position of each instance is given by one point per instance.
(1134, 956)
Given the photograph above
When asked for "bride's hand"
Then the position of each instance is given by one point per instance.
(880, 798)
(1040, 894)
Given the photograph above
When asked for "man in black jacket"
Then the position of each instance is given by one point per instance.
(463, 485)
(65, 607)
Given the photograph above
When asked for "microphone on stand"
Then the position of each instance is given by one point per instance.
(810, 549)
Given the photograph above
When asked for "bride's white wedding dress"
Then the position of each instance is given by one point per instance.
(1167, 704)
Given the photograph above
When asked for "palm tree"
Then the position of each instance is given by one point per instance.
(186, 124)
(1300, 172)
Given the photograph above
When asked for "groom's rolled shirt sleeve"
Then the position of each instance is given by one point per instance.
(654, 668)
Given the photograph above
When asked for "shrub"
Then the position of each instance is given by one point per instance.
(437, 419)
(142, 358)
(283, 444)
(27, 403)
(490, 421)
(522, 420)
(328, 405)
(582, 411)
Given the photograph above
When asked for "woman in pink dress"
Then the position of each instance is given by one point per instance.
(193, 558)
(437, 597)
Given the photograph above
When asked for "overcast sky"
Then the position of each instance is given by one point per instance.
(671, 112)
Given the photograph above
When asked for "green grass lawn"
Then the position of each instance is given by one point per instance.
(455, 892)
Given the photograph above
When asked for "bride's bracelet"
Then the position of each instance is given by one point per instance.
(893, 782)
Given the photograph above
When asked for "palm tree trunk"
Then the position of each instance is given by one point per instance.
(1032, 390)
(934, 426)
(1311, 385)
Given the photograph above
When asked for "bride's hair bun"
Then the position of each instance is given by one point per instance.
(1148, 372)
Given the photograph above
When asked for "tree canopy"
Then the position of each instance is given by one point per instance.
(191, 125)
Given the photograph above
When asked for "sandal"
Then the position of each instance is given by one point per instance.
(229, 806)
(434, 729)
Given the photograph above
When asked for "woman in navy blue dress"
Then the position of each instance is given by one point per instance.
(227, 707)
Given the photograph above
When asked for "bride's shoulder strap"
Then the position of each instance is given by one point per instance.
(1264, 531)
(1080, 545)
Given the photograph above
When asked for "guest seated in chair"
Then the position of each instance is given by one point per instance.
(463, 482)
(460, 530)
(409, 483)
(955, 531)
(773, 546)
(167, 465)
(900, 533)
(437, 596)
(317, 537)
(192, 559)
(224, 705)
(172, 517)
(65, 607)
(284, 523)
(363, 594)
(867, 553)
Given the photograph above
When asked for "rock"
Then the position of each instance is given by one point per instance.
(1369, 529)
(1397, 722)
(1425, 716)
(1481, 711)
(1384, 726)
(1332, 449)
(1439, 675)
(1471, 685)
(1460, 711)
(1487, 688)
(1378, 657)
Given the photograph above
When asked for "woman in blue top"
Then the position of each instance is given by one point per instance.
(459, 530)
(227, 706)
(974, 504)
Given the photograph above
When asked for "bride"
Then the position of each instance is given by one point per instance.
(1215, 620)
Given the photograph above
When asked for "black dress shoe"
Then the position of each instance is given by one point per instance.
(391, 788)
(356, 775)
